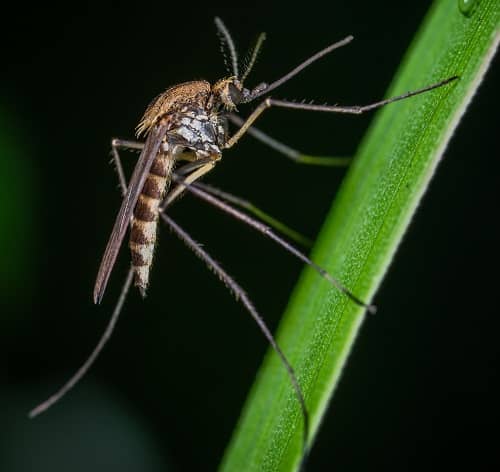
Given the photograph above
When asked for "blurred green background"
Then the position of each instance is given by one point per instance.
(421, 387)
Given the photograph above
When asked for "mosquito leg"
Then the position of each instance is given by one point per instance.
(138, 145)
(265, 230)
(126, 144)
(186, 171)
(228, 281)
(287, 151)
(117, 144)
(200, 171)
(248, 123)
(241, 296)
(93, 356)
(354, 110)
(179, 189)
(261, 215)
(188, 168)
(357, 109)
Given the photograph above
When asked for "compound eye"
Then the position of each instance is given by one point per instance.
(235, 94)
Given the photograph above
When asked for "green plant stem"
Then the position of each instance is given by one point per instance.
(373, 209)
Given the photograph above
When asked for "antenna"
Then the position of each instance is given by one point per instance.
(229, 43)
(255, 53)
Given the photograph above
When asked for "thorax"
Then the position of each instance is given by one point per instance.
(192, 123)
(198, 130)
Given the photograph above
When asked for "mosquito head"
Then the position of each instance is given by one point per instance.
(228, 93)
(231, 90)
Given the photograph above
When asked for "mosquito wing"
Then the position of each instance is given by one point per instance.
(148, 155)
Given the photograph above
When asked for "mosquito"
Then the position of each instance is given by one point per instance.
(186, 130)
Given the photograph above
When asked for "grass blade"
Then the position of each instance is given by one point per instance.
(373, 209)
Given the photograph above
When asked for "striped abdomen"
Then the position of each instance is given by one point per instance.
(145, 219)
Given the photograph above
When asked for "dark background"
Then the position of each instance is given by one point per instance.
(420, 388)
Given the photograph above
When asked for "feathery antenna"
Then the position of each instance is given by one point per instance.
(227, 40)
(253, 57)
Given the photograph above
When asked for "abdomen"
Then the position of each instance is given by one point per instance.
(145, 219)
